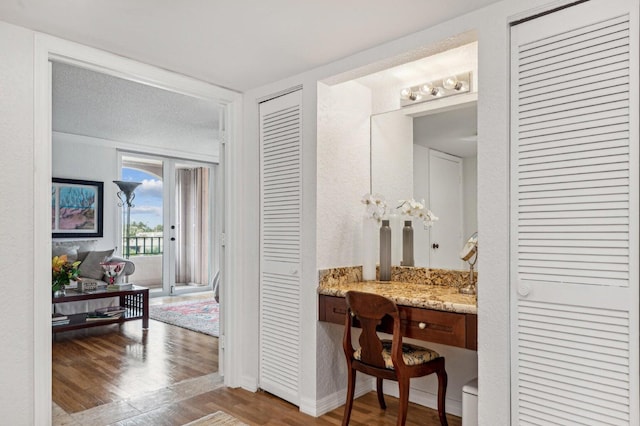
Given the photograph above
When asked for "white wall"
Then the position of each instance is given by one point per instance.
(78, 157)
(343, 166)
(16, 226)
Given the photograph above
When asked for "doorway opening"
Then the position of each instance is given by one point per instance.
(104, 127)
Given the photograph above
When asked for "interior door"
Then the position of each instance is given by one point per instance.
(280, 243)
(574, 254)
(194, 259)
(445, 195)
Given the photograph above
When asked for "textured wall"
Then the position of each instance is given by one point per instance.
(16, 225)
(343, 178)
(86, 159)
(343, 172)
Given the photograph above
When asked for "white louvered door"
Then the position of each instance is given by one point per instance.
(574, 255)
(280, 234)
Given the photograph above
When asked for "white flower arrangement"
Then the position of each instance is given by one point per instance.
(376, 206)
(413, 208)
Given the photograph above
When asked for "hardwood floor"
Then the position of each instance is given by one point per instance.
(262, 408)
(121, 375)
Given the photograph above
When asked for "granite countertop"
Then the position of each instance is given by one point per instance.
(438, 297)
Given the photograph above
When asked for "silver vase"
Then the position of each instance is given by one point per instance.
(407, 244)
(385, 251)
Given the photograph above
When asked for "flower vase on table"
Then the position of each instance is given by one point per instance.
(376, 209)
(62, 272)
(58, 290)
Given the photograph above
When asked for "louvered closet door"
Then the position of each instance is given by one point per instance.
(280, 228)
(575, 216)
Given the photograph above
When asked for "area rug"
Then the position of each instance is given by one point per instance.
(201, 316)
(217, 418)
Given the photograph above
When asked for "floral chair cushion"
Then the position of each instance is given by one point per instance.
(411, 354)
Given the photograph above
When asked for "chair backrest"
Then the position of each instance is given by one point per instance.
(369, 309)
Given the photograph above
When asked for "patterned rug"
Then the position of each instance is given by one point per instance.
(201, 316)
(217, 418)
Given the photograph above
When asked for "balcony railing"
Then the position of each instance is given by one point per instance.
(139, 246)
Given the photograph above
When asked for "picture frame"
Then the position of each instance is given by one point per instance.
(76, 208)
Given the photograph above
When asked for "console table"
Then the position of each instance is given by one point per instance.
(135, 300)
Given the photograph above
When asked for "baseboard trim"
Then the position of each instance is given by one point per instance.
(427, 399)
(336, 399)
(249, 383)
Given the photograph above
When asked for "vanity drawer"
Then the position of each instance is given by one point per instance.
(447, 328)
(332, 309)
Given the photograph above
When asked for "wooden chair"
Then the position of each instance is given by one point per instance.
(386, 359)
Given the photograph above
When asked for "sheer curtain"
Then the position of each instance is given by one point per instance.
(192, 229)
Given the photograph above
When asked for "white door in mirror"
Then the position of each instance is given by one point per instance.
(445, 201)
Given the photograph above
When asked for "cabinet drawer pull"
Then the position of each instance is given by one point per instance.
(422, 325)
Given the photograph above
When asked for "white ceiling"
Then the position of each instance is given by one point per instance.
(239, 44)
(98, 105)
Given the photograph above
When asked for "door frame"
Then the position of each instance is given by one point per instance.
(48, 48)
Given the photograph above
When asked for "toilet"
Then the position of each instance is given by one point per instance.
(470, 403)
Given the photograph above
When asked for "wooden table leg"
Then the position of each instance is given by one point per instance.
(145, 310)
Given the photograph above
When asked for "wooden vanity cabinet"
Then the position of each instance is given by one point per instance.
(447, 328)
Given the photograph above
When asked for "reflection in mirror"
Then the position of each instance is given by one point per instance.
(469, 254)
(429, 155)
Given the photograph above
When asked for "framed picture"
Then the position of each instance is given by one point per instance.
(76, 208)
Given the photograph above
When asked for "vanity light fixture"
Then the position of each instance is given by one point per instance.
(448, 86)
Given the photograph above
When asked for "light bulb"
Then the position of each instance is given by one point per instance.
(452, 83)
(406, 93)
(426, 88)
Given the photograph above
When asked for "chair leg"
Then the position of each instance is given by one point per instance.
(442, 393)
(380, 393)
(403, 406)
(351, 388)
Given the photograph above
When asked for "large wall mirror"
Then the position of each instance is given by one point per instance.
(428, 152)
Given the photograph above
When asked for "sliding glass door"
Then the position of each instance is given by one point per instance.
(173, 223)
